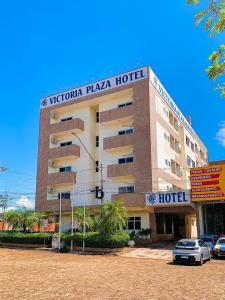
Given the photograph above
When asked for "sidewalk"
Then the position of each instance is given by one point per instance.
(155, 251)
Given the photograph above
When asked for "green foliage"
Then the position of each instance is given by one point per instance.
(213, 19)
(113, 217)
(89, 220)
(39, 217)
(99, 240)
(24, 238)
(132, 235)
(11, 217)
(23, 220)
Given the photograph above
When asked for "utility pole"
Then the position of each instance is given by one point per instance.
(99, 190)
(60, 219)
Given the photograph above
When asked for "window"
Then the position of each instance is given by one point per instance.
(175, 168)
(125, 104)
(97, 116)
(177, 147)
(66, 119)
(126, 160)
(173, 121)
(165, 111)
(187, 141)
(97, 166)
(196, 148)
(126, 131)
(164, 223)
(64, 196)
(172, 141)
(65, 169)
(97, 141)
(133, 223)
(65, 144)
(202, 155)
(126, 189)
(167, 163)
(192, 147)
(188, 161)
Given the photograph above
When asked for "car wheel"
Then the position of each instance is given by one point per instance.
(215, 255)
(175, 262)
(200, 263)
(210, 256)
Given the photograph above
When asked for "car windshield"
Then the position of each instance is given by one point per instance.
(207, 239)
(221, 241)
(186, 244)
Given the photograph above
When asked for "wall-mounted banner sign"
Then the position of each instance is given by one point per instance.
(208, 183)
(168, 198)
(162, 91)
(97, 87)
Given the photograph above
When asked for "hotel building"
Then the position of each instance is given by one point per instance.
(133, 129)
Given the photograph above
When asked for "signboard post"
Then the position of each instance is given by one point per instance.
(45, 225)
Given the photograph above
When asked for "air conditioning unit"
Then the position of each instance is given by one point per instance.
(54, 115)
(51, 164)
(54, 140)
(51, 191)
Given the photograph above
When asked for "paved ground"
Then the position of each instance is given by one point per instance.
(32, 274)
(149, 253)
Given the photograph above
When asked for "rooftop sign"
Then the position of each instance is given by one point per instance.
(95, 88)
(162, 91)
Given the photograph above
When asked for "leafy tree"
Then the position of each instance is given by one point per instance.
(113, 217)
(89, 221)
(4, 201)
(213, 18)
(12, 218)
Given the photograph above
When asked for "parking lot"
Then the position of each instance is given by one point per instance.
(35, 274)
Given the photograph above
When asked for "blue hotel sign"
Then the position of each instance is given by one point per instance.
(168, 198)
(97, 87)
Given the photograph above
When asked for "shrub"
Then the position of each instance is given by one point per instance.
(24, 238)
(99, 240)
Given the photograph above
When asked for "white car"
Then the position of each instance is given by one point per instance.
(192, 251)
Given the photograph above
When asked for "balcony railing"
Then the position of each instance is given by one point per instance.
(66, 151)
(61, 178)
(113, 115)
(74, 124)
(130, 199)
(118, 141)
(118, 170)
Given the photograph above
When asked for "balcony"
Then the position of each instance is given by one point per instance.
(120, 114)
(61, 178)
(72, 151)
(76, 125)
(118, 142)
(118, 170)
(130, 199)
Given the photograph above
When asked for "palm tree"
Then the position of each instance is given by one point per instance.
(12, 218)
(26, 219)
(89, 220)
(113, 217)
(39, 217)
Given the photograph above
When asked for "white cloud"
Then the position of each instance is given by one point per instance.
(220, 136)
(24, 202)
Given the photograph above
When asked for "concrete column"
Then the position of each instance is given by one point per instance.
(200, 219)
(152, 223)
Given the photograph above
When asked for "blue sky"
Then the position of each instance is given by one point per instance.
(47, 46)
